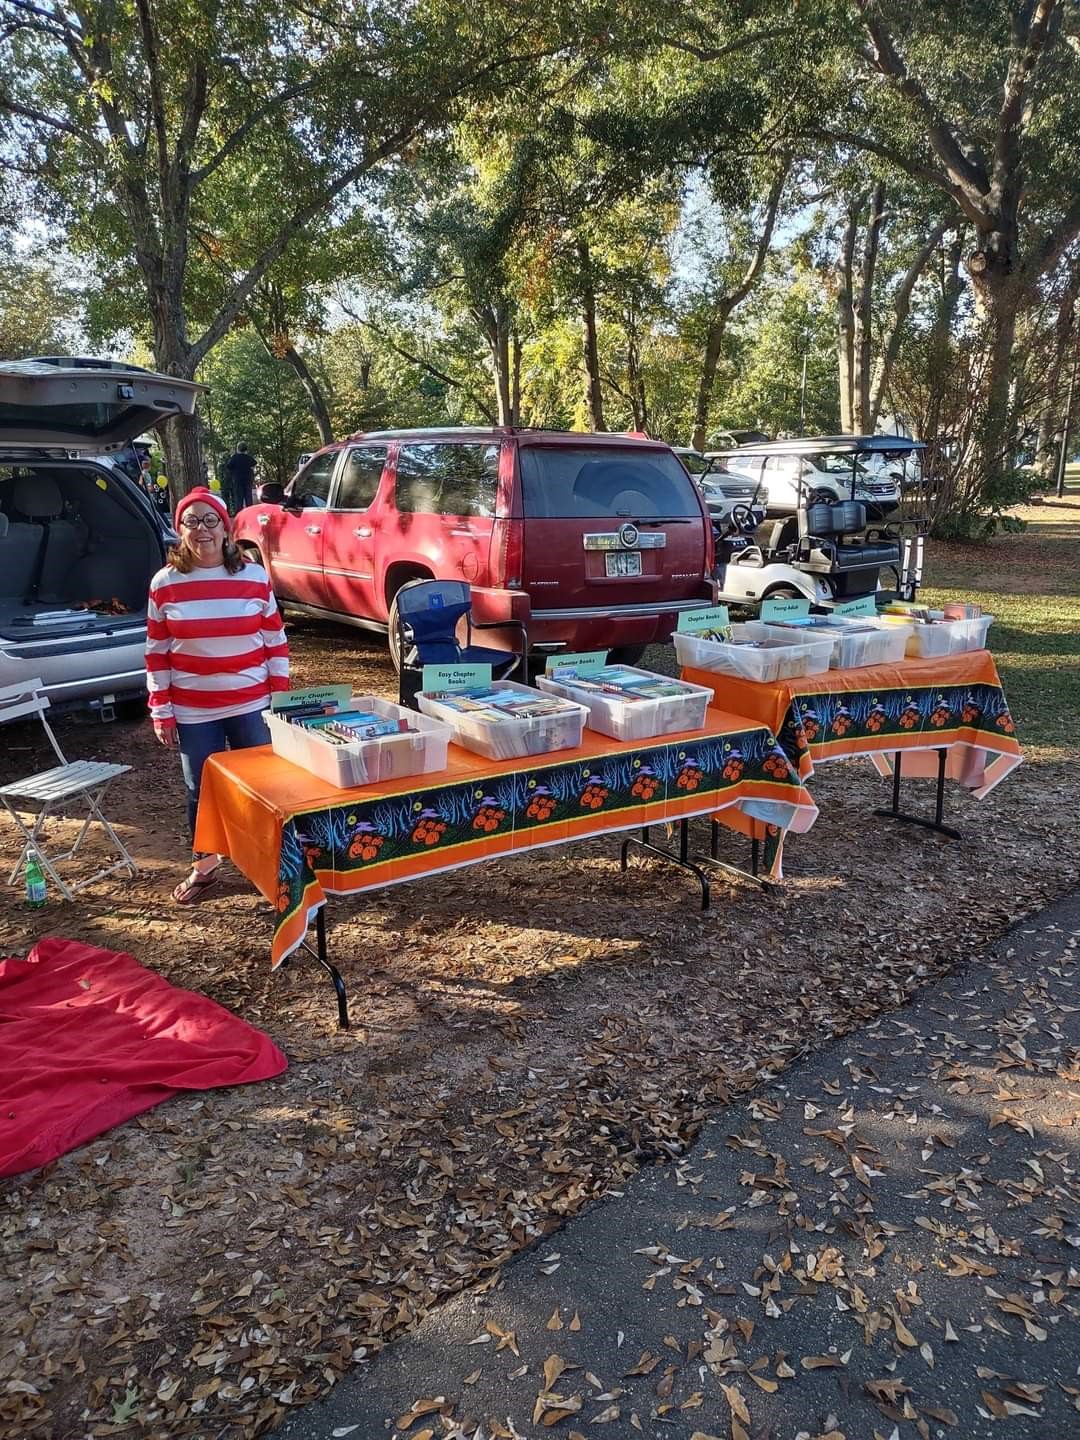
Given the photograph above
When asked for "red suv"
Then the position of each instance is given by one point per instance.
(592, 541)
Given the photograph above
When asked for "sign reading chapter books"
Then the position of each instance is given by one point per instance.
(712, 621)
(455, 677)
(785, 609)
(585, 662)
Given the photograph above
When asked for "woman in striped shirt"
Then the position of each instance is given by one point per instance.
(215, 650)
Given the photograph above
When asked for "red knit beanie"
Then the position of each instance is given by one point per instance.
(208, 498)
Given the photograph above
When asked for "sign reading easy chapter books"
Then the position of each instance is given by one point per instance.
(336, 695)
(454, 677)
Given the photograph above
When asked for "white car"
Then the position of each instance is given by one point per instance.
(79, 537)
(721, 489)
(816, 470)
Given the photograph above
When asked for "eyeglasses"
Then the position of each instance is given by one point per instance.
(209, 522)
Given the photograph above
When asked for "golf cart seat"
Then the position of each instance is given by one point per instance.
(826, 546)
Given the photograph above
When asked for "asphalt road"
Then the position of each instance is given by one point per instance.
(883, 1242)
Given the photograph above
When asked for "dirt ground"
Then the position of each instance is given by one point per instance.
(527, 1034)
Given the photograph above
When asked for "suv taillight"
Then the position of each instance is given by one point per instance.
(510, 548)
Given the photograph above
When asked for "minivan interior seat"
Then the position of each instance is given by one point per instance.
(19, 548)
(38, 497)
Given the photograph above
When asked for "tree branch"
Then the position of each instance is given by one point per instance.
(157, 99)
(53, 122)
(1028, 45)
(943, 139)
(917, 169)
(426, 365)
(710, 52)
(761, 250)
(240, 134)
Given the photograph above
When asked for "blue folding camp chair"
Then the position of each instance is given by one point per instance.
(429, 615)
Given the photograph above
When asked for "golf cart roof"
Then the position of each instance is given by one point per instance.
(842, 444)
(77, 403)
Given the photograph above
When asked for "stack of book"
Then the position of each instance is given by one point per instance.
(494, 706)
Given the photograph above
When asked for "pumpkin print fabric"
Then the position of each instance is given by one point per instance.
(375, 840)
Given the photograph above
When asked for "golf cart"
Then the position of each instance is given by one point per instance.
(826, 552)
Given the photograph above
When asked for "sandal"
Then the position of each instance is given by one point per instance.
(192, 890)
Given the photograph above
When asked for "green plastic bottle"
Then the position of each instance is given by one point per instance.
(35, 881)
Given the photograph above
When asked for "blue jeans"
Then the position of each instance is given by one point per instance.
(209, 737)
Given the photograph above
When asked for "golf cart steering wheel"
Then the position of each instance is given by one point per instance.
(742, 519)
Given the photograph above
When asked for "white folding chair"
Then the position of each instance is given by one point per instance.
(42, 795)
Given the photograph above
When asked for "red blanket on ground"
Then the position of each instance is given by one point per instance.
(90, 1037)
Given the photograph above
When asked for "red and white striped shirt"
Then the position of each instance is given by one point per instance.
(215, 646)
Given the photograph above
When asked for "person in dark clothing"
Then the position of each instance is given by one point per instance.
(240, 473)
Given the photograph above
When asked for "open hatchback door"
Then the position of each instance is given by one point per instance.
(94, 407)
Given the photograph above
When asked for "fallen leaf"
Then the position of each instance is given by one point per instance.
(820, 1362)
(555, 1323)
(427, 1406)
(737, 1403)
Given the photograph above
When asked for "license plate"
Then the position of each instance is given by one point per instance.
(622, 562)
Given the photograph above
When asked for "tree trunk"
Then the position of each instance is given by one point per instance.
(313, 390)
(894, 334)
(992, 454)
(714, 339)
(940, 337)
(181, 440)
(864, 313)
(590, 350)
(845, 323)
(635, 380)
(1064, 325)
(515, 379)
(500, 366)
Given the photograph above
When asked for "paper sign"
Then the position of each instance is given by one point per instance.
(455, 677)
(585, 662)
(784, 609)
(696, 622)
(865, 605)
(337, 695)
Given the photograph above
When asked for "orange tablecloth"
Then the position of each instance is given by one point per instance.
(953, 703)
(298, 839)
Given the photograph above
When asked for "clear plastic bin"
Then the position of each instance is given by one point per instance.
(769, 658)
(948, 637)
(636, 719)
(417, 751)
(510, 739)
(855, 642)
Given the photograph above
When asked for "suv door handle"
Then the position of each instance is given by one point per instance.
(363, 532)
(312, 529)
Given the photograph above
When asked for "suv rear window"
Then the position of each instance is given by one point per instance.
(588, 482)
(447, 479)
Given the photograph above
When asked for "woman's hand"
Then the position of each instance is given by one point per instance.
(165, 733)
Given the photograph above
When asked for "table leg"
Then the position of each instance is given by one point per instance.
(895, 813)
(761, 881)
(681, 859)
(319, 954)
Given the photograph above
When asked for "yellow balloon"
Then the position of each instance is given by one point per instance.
(162, 482)
(215, 485)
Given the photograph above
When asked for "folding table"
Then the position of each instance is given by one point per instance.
(299, 840)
